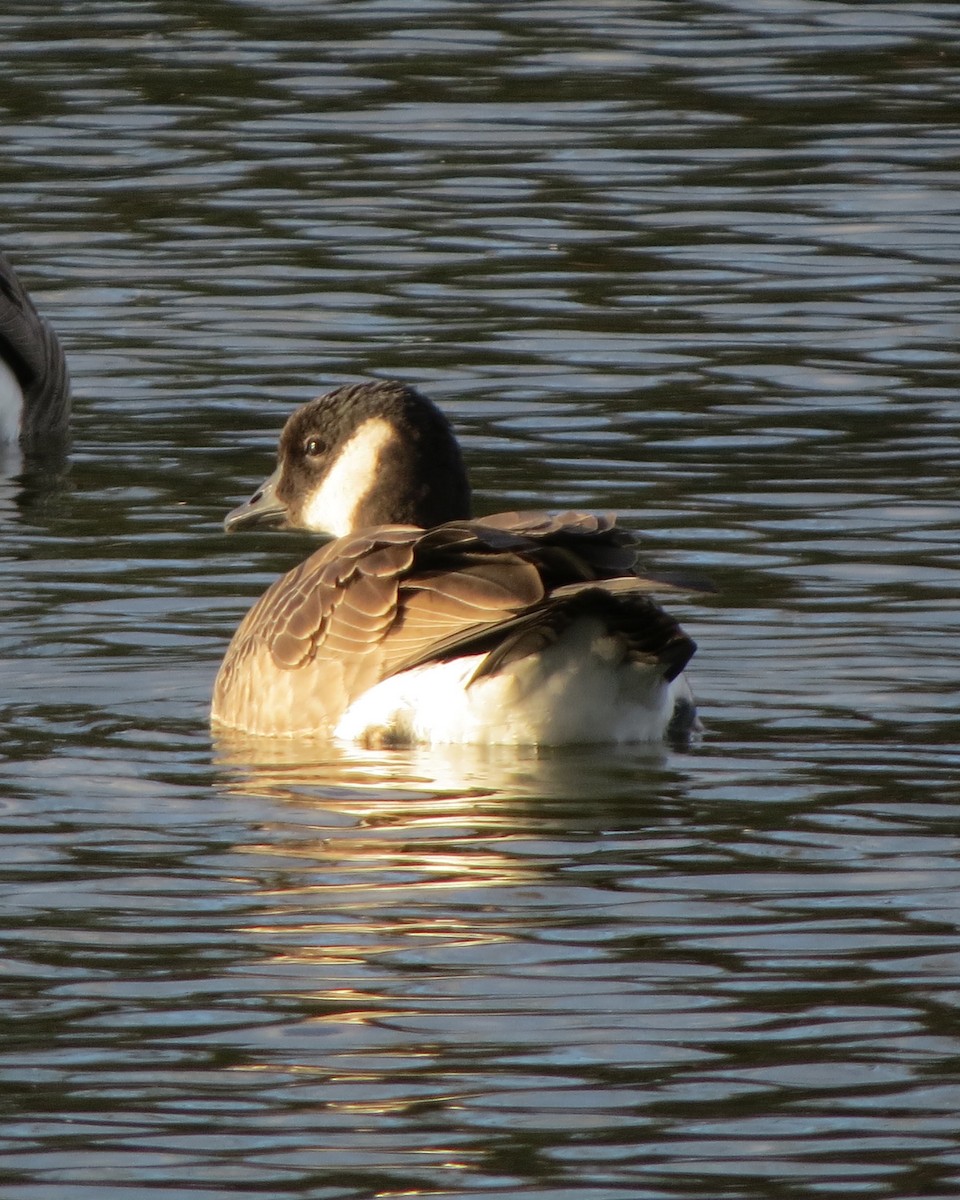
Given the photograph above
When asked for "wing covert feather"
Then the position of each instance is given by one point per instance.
(384, 600)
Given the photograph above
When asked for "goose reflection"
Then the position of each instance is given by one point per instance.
(463, 776)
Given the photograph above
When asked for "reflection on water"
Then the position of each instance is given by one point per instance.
(695, 263)
(326, 773)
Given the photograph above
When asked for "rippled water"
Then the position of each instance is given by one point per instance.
(695, 262)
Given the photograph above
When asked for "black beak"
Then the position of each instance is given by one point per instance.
(263, 509)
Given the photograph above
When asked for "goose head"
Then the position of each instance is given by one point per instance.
(365, 454)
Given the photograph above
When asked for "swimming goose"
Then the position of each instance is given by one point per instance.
(418, 624)
(34, 384)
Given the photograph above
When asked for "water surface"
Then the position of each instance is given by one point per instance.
(693, 262)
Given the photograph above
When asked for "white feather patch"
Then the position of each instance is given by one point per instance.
(11, 404)
(576, 691)
(354, 472)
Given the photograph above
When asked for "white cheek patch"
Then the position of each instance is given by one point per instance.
(11, 405)
(335, 503)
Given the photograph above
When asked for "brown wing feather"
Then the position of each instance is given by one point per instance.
(382, 601)
(341, 600)
(314, 640)
(446, 608)
(645, 633)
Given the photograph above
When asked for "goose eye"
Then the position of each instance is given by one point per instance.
(313, 447)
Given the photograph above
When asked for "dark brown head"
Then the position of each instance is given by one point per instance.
(365, 454)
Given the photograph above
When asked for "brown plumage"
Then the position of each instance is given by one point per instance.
(382, 601)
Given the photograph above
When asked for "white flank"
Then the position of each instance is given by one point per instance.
(350, 479)
(11, 404)
(576, 691)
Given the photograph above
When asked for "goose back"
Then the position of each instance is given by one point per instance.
(383, 602)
